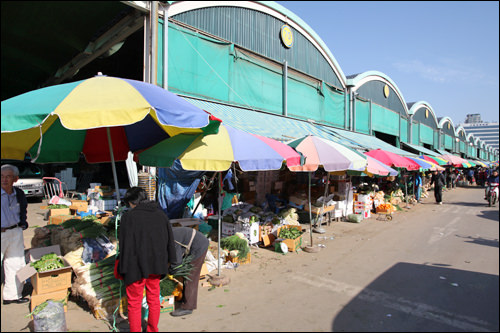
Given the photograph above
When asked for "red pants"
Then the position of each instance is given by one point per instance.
(134, 297)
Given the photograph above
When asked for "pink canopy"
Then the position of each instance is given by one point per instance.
(392, 159)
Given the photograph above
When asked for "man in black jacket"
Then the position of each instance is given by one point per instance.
(189, 241)
(439, 181)
(14, 221)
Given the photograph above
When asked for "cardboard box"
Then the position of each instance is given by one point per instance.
(250, 231)
(365, 214)
(60, 211)
(247, 260)
(58, 219)
(227, 229)
(49, 281)
(79, 205)
(268, 240)
(37, 299)
(167, 304)
(293, 244)
(204, 271)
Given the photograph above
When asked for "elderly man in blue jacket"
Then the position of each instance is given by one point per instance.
(14, 221)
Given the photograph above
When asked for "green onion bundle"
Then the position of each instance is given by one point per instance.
(168, 285)
(236, 243)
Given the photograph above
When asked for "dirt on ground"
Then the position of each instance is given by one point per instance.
(280, 292)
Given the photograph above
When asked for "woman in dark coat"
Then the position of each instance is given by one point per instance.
(146, 248)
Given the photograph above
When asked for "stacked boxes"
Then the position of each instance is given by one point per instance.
(249, 230)
(51, 284)
(66, 176)
(363, 206)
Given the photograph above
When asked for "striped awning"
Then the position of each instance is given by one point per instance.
(420, 149)
(285, 129)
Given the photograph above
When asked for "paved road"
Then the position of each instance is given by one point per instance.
(433, 268)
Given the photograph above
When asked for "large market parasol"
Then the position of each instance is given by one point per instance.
(217, 152)
(332, 157)
(393, 160)
(102, 117)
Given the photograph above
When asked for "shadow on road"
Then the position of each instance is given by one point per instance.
(469, 204)
(480, 240)
(423, 298)
(489, 214)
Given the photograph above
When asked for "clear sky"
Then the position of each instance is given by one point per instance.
(444, 53)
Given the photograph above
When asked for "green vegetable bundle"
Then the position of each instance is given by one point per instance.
(48, 262)
(289, 233)
(57, 206)
(167, 285)
(236, 243)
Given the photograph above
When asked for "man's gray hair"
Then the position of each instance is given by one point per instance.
(12, 168)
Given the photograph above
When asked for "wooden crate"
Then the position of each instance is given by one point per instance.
(293, 244)
(247, 260)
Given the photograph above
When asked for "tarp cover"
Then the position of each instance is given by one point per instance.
(176, 187)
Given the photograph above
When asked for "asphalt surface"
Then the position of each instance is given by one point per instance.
(433, 268)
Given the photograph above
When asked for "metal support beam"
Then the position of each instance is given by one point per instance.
(116, 34)
(285, 88)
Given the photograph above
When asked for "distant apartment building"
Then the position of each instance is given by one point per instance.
(486, 131)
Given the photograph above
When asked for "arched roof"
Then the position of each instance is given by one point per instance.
(413, 107)
(271, 8)
(443, 120)
(358, 80)
(459, 129)
(470, 138)
(477, 142)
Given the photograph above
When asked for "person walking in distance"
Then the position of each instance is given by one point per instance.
(14, 221)
(439, 181)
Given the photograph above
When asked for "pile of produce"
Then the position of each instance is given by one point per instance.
(235, 245)
(170, 285)
(57, 206)
(387, 207)
(289, 233)
(48, 262)
(97, 284)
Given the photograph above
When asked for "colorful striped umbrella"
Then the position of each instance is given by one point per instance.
(426, 165)
(392, 159)
(57, 123)
(435, 160)
(378, 168)
(330, 155)
(455, 160)
(216, 152)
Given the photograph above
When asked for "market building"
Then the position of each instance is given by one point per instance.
(263, 69)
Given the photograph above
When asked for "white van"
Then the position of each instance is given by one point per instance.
(30, 178)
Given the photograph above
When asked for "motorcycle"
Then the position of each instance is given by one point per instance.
(492, 195)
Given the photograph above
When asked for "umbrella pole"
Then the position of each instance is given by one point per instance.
(310, 249)
(310, 212)
(319, 219)
(113, 166)
(219, 223)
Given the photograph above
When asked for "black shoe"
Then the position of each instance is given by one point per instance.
(180, 312)
(16, 301)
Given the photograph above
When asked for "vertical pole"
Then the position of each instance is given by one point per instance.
(154, 42)
(285, 88)
(165, 45)
(113, 166)
(310, 212)
(219, 223)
